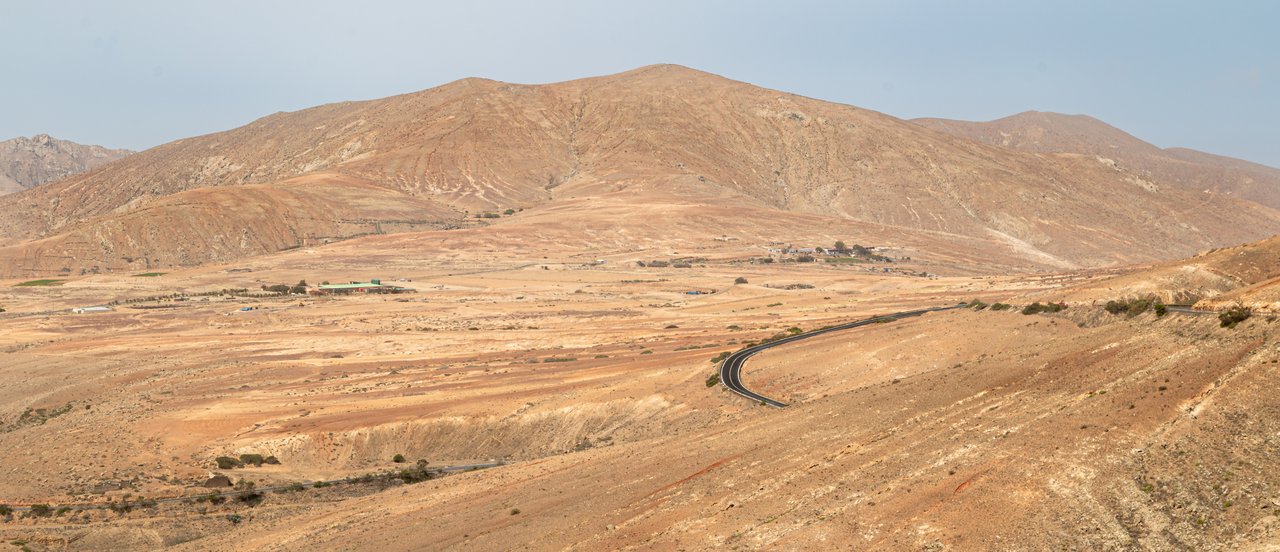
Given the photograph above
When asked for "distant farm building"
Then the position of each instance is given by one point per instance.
(98, 308)
(372, 286)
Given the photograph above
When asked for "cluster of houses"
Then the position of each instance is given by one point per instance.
(791, 250)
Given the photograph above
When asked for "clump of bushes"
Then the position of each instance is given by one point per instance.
(720, 357)
(1001, 306)
(1234, 315)
(1038, 307)
(1134, 307)
(256, 460)
(713, 380)
(41, 510)
(976, 305)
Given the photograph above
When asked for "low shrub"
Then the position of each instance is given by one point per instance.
(976, 305)
(1001, 306)
(399, 458)
(1234, 315)
(1134, 307)
(252, 459)
(41, 510)
(228, 463)
(713, 380)
(1037, 307)
(739, 280)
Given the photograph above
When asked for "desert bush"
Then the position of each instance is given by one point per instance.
(254, 459)
(1001, 306)
(399, 458)
(509, 212)
(739, 280)
(1037, 307)
(1234, 315)
(41, 510)
(720, 357)
(271, 460)
(976, 305)
(1136, 306)
(6, 510)
(713, 380)
(805, 259)
(227, 463)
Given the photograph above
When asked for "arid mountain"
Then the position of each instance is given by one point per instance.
(29, 162)
(644, 137)
(1041, 132)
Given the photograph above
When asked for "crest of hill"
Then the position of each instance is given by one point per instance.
(29, 162)
(649, 134)
(1043, 132)
(1248, 274)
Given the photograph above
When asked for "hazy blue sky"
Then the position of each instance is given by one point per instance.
(136, 74)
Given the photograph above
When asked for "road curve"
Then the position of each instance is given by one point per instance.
(731, 368)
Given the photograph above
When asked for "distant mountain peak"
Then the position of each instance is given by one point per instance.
(29, 162)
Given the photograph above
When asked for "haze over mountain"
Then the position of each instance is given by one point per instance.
(29, 162)
(652, 136)
(1041, 132)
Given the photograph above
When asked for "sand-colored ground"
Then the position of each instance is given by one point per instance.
(959, 429)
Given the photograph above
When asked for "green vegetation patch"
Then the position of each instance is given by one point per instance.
(1038, 307)
(1234, 315)
(37, 283)
(149, 274)
(1134, 307)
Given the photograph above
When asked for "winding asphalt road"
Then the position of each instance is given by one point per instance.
(731, 368)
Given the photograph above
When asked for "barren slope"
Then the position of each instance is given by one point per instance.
(213, 224)
(1057, 133)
